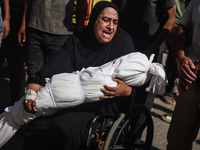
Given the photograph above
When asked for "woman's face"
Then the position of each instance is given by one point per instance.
(106, 25)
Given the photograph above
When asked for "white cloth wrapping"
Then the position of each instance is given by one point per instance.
(71, 89)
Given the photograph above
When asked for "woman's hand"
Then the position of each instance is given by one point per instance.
(120, 90)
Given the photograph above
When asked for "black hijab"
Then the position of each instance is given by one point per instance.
(101, 5)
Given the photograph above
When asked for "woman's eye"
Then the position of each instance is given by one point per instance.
(115, 22)
(105, 19)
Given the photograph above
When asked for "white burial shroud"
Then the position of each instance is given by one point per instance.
(70, 89)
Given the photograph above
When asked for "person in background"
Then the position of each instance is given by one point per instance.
(186, 116)
(14, 53)
(149, 23)
(5, 21)
(79, 14)
(4, 26)
(172, 89)
(48, 25)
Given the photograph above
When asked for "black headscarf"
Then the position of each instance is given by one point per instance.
(98, 9)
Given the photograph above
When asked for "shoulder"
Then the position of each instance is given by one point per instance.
(123, 39)
(123, 35)
(191, 14)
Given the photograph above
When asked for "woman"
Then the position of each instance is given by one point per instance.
(101, 42)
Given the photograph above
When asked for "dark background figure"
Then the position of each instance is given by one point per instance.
(149, 22)
(172, 89)
(4, 19)
(171, 66)
(14, 53)
(185, 125)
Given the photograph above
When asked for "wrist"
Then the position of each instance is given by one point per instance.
(129, 91)
(180, 55)
(30, 94)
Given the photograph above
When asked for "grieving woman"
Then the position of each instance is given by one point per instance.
(101, 42)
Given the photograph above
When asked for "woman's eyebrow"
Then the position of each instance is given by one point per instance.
(109, 18)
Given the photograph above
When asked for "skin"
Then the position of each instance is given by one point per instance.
(6, 21)
(164, 32)
(22, 31)
(185, 64)
(105, 28)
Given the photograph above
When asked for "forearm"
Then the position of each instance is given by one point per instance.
(6, 10)
(164, 32)
(27, 5)
(180, 42)
(34, 87)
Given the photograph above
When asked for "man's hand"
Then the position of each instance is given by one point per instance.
(120, 90)
(6, 28)
(186, 74)
(197, 69)
(22, 35)
(30, 106)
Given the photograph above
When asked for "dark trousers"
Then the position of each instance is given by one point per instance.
(171, 68)
(40, 47)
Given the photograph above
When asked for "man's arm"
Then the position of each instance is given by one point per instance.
(185, 64)
(22, 30)
(164, 31)
(6, 21)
